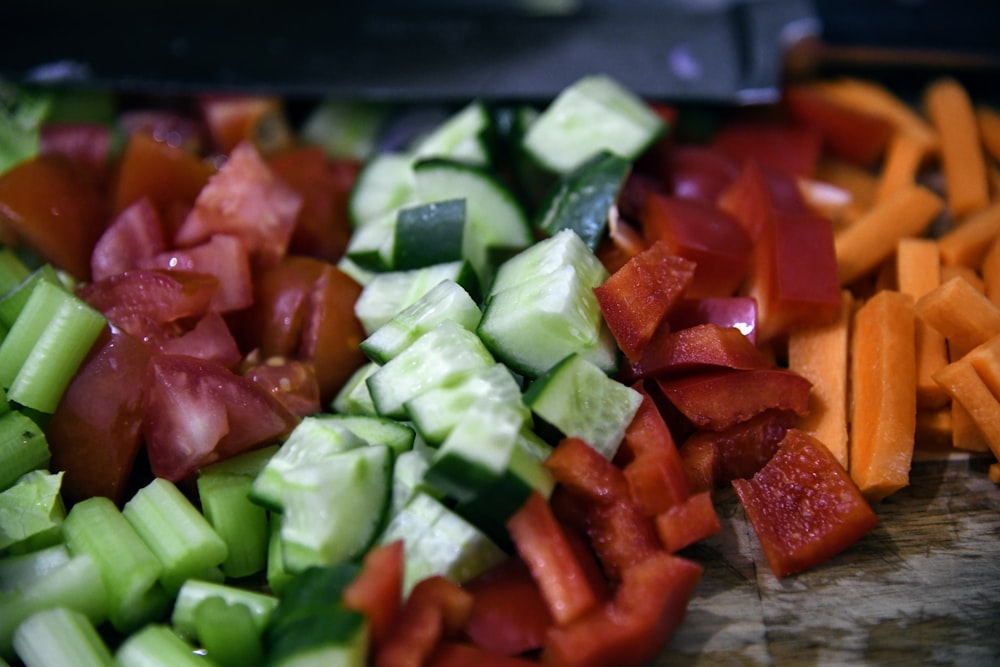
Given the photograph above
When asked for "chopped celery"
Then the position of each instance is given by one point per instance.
(32, 510)
(228, 634)
(23, 447)
(129, 569)
(60, 637)
(62, 342)
(278, 576)
(20, 128)
(76, 585)
(175, 531)
(193, 593)
(20, 571)
(13, 299)
(156, 645)
(240, 522)
(12, 270)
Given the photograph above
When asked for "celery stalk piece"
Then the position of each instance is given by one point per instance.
(129, 569)
(176, 532)
(156, 645)
(32, 510)
(13, 300)
(60, 637)
(193, 593)
(40, 308)
(20, 137)
(23, 448)
(12, 270)
(241, 523)
(20, 571)
(59, 348)
(228, 633)
(76, 585)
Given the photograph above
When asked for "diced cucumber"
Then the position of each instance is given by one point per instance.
(398, 437)
(312, 440)
(445, 301)
(335, 507)
(383, 186)
(533, 325)
(438, 358)
(354, 397)
(595, 113)
(386, 294)
(464, 136)
(496, 220)
(580, 400)
(428, 234)
(564, 248)
(584, 198)
(372, 245)
(408, 478)
(436, 412)
(345, 128)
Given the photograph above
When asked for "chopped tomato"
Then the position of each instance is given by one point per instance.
(234, 119)
(197, 412)
(86, 145)
(435, 609)
(45, 203)
(291, 381)
(635, 299)
(169, 127)
(208, 339)
(223, 256)
(377, 591)
(632, 629)
(95, 433)
(509, 614)
(134, 236)
(247, 200)
(322, 228)
(803, 506)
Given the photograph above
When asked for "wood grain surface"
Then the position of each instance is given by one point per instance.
(922, 589)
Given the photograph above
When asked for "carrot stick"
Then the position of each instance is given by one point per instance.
(965, 435)
(968, 242)
(990, 270)
(883, 389)
(873, 238)
(950, 110)
(819, 354)
(875, 99)
(963, 314)
(988, 120)
(949, 271)
(860, 183)
(994, 473)
(901, 165)
(918, 271)
(965, 387)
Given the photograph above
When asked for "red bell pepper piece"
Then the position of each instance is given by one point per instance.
(654, 471)
(700, 347)
(509, 614)
(581, 469)
(454, 654)
(435, 609)
(739, 312)
(635, 298)
(789, 148)
(631, 629)
(803, 506)
(847, 133)
(377, 591)
(688, 522)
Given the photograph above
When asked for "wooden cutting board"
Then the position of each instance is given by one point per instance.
(922, 588)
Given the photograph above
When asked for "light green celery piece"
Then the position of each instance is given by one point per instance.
(20, 571)
(157, 645)
(76, 584)
(228, 633)
(60, 637)
(12, 300)
(58, 331)
(19, 129)
(129, 568)
(193, 593)
(33, 510)
(240, 522)
(176, 532)
(12, 270)
(278, 575)
(23, 447)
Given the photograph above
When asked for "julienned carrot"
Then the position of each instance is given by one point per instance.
(968, 242)
(877, 100)
(883, 390)
(961, 313)
(990, 270)
(967, 388)
(872, 238)
(948, 106)
(819, 354)
(965, 435)
(859, 182)
(903, 159)
(970, 275)
(918, 271)
(988, 120)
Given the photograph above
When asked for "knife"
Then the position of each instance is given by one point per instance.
(715, 51)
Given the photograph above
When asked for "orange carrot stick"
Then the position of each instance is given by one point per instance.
(990, 270)
(901, 165)
(968, 242)
(883, 389)
(962, 313)
(918, 271)
(965, 387)
(873, 238)
(950, 110)
(988, 120)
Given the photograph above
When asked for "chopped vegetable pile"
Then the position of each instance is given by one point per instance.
(344, 387)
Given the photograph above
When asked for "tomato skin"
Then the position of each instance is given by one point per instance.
(803, 506)
(197, 412)
(635, 299)
(134, 236)
(208, 339)
(45, 203)
(291, 381)
(95, 433)
(509, 615)
(247, 200)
